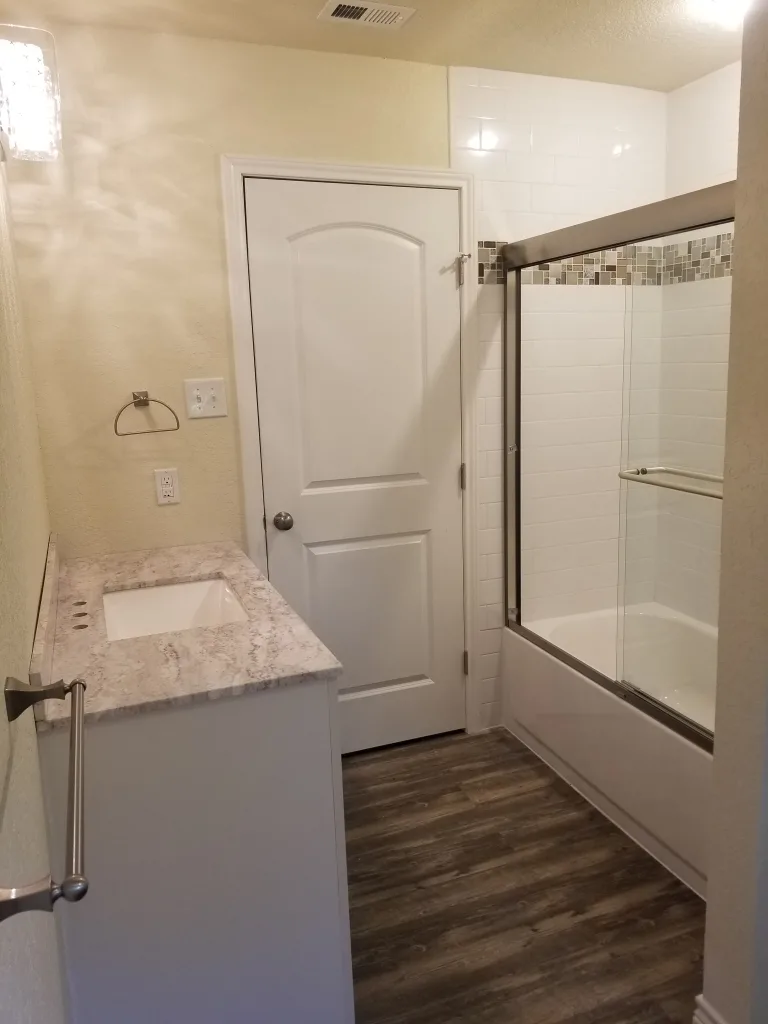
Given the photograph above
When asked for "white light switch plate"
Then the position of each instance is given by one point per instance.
(167, 486)
(205, 398)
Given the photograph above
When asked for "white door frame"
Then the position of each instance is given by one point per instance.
(235, 170)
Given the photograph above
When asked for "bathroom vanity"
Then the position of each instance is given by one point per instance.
(213, 810)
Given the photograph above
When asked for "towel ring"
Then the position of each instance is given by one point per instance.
(141, 398)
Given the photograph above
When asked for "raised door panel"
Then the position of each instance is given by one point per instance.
(360, 353)
(371, 604)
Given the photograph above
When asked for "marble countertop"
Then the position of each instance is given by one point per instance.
(273, 648)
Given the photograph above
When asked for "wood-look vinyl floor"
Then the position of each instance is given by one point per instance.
(483, 889)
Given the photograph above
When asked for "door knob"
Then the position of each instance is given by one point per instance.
(283, 521)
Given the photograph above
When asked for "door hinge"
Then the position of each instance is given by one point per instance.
(466, 663)
(463, 476)
(461, 261)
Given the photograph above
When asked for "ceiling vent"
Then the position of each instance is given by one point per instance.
(373, 15)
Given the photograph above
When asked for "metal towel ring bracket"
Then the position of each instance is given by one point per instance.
(141, 398)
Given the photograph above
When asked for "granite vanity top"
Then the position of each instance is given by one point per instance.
(273, 648)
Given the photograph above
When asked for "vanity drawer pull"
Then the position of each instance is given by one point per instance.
(43, 894)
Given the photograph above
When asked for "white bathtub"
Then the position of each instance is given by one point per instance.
(668, 655)
(652, 782)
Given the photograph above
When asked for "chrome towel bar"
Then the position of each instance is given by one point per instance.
(704, 483)
(43, 894)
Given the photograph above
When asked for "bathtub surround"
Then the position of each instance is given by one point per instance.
(563, 151)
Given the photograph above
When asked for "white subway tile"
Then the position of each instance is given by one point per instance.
(535, 609)
(697, 376)
(492, 616)
(490, 542)
(484, 164)
(497, 196)
(686, 402)
(490, 355)
(700, 321)
(533, 168)
(492, 516)
(605, 352)
(707, 348)
(577, 325)
(556, 380)
(479, 101)
(572, 531)
(570, 432)
(555, 138)
(489, 715)
(572, 581)
(489, 666)
(571, 405)
(491, 489)
(556, 199)
(494, 412)
(490, 298)
(490, 327)
(713, 292)
(489, 437)
(489, 642)
(567, 482)
(564, 457)
(490, 591)
(489, 384)
(488, 691)
(570, 556)
(493, 463)
(574, 299)
(565, 508)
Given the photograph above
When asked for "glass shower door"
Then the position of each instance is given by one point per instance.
(676, 368)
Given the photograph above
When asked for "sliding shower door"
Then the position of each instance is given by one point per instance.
(616, 375)
(672, 470)
(571, 384)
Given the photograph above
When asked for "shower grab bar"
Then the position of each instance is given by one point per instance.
(644, 475)
(43, 894)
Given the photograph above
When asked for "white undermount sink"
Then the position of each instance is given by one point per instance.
(169, 608)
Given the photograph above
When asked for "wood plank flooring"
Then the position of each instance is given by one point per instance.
(483, 889)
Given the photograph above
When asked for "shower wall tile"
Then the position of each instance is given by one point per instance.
(571, 423)
(693, 382)
(546, 152)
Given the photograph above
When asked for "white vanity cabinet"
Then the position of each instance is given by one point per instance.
(215, 855)
(214, 820)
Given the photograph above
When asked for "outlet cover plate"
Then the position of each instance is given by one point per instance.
(167, 486)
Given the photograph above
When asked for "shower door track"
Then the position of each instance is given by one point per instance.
(701, 209)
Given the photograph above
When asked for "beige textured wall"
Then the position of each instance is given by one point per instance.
(29, 977)
(121, 251)
(736, 947)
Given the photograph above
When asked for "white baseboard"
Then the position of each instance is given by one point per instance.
(706, 1014)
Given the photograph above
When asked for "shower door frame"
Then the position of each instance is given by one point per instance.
(701, 209)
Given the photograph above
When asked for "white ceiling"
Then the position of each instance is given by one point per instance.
(653, 44)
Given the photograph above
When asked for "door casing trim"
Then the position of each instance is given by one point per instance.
(235, 170)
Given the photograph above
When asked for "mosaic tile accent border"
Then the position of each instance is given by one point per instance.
(677, 263)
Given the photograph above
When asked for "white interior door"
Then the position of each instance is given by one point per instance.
(356, 321)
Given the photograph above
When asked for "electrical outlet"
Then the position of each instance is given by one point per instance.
(167, 486)
(205, 398)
